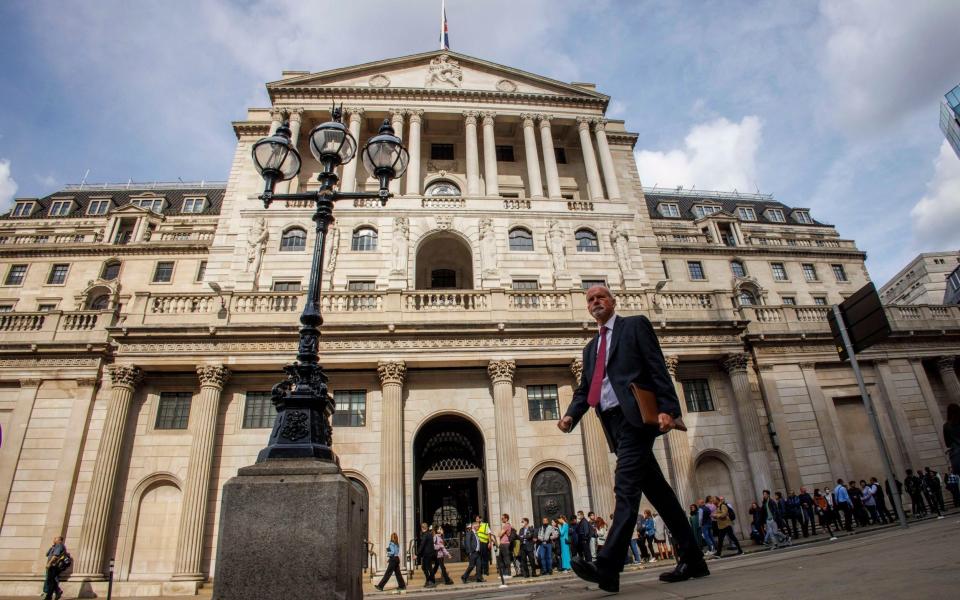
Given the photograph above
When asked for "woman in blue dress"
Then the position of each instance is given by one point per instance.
(564, 544)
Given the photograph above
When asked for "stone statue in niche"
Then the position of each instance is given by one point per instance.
(256, 245)
(488, 246)
(401, 244)
(333, 249)
(443, 70)
(620, 241)
(555, 245)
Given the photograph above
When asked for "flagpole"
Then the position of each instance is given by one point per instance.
(443, 14)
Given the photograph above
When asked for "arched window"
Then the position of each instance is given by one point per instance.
(521, 239)
(442, 188)
(746, 298)
(586, 241)
(737, 268)
(364, 239)
(293, 240)
(111, 269)
(101, 302)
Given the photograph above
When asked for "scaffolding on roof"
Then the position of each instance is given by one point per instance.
(679, 192)
(152, 185)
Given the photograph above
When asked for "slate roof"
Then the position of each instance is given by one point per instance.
(121, 197)
(686, 202)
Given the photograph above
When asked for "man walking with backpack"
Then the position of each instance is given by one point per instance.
(724, 517)
(58, 561)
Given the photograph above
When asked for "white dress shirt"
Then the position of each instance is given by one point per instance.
(608, 398)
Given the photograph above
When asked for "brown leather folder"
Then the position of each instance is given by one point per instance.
(647, 403)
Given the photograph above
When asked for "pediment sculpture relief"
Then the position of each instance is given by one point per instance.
(444, 72)
(379, 81)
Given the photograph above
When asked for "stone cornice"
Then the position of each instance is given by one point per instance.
(251, 128)
(159, 249)
(689, 248)
(323, 92)
(622, 138)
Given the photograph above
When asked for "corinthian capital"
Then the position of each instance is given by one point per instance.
(736, 363)
(576, 367)
(276, 113)
(213, 375)
(488, 117)
(501, 371)
(470, 116)
(125, 376)
(946, 363)
(600, 124)
(528, 119)
(416, 115)
(394, 371)
(544, 121)
(355, 112)
(672, 363)
(583, 123)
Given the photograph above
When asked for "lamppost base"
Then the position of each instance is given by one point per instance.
(289, 530)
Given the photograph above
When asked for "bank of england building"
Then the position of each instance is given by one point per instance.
(143, 326)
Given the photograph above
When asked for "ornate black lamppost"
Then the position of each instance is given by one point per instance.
(302, 428)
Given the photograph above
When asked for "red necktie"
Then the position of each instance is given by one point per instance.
(599, 370)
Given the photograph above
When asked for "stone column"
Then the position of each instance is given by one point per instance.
(678, 444)
(597, 455)
(473, 155)
(948, 375)
(413, 146)
(276, 118)
(549, 157)
(392, 375)
(508, 475)
(396, 116)
(96, 516)
(606, 159)
(349, 180)
(748, 423)
(490, 156)
(589, 159)
(196, 487)
(295, 116)
(534, 184)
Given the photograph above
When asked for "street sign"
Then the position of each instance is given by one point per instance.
(865, 319)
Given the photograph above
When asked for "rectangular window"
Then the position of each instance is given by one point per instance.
(669, 209)
(173, 411)
(839, 272)
(802, 216)
(746, 213)
(561, 155)
(505, 154)
(362, 286)
(820, 300)
(702, 210)
(60, 208)
(98, 207)
(543, 402)
(46, 307)
(58, 274)
(589, 283)
(363, 302)
(192, 205)
(153, 204)
(697, 393)
(258, 411)
(775, 215)
(4, 308)
(351, 408)
(23, 209)
(441, 151)
(202, 270)
(15, 275)
(526, 284)
(955, 280)
(696, 270)
(809, 272)
(737, 268)
(788, 300)
(163, 273)
(779, 271)
(286, 286)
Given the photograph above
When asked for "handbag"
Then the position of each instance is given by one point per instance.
(647, 404)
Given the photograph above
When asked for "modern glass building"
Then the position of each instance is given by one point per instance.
(950, 118)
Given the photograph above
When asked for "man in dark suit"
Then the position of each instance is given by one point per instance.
(627, 351)
(528, 565)
(427, 554)
(471, 545)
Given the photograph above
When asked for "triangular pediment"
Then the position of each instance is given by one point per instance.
(439, 69)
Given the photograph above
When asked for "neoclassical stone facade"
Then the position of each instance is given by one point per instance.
(143, 327)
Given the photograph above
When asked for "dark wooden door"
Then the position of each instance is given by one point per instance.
(552, 495)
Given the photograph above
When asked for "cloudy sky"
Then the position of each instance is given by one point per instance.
(829, 105)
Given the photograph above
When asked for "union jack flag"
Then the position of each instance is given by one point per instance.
(444, 37)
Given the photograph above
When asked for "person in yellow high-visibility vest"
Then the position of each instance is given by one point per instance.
(486, 544)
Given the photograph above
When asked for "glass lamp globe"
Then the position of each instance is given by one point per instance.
(332, 143)
(275, 157)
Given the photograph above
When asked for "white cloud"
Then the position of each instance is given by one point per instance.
(8, 187)
(717, 155)
(936, 217)
(886, 58)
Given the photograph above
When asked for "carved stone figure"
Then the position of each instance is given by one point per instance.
(333, 248)
(443, 70)
(401, 244)
(488, 246)
(621, 247)
(555, 244)
(256, 245)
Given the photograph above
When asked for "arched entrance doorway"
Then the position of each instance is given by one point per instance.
(714, 479)
(444, 262)
(552, 495)
(449, 477)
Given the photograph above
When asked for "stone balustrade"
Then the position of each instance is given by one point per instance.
(443, 202)
(445, 301)
(87, 326)
(579, 205)
(334, 302)
(539, 300)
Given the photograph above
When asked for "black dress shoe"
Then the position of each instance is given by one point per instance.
(588, 571)
(685, 571)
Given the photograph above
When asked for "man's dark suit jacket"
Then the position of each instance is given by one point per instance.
(426, 549)
(526, 537)
(634, 356)
(472, 543)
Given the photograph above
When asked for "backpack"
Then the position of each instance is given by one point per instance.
(731, 513)
(65, 562)
(513, 536)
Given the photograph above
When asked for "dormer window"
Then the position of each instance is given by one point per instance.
(98, 207)
(746, 213)
(802, 216)
(702, 210)
(193, 205)
(669, 209)
(151, 204)
(23, 209)
(61, 208)
(775, 215)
